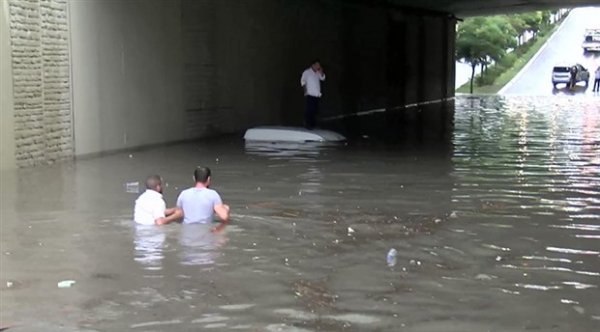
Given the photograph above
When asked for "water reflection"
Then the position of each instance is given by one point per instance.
(306, 154)
(149, 245)
(532, 165)
(502, 237)
(565, 91)
(293, 151)
(199, 246)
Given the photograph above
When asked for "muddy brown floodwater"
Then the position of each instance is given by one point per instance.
(499, 232)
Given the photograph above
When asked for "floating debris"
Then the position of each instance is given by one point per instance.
(66, 283)
(350, 231)
(132, 187)
(391, 257)
(483, 276)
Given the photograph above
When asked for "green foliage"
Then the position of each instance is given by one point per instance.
(533, 20)
(517, 22)
(485, 40)
(481, 40)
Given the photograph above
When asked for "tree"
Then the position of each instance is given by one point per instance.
(467, 45)
(533, 21)
(546, 14)
(519, 25)
(481, 40)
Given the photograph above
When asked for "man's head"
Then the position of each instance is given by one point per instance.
(154, 182)
(316, 65)
(202, 175)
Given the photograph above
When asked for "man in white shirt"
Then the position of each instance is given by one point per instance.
(597, 80)
(150, 207)
(311, 83)
(200, 203)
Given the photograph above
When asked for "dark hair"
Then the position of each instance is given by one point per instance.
(315, 61)
(153, 181)
(201, 174)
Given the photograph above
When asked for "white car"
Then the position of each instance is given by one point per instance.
(591, 40)
(562, 74)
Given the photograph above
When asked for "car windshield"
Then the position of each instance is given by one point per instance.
(561, 69)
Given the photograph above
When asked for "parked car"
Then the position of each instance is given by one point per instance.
(591, 40)
(562, 74)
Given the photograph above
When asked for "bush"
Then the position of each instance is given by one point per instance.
(495, 70)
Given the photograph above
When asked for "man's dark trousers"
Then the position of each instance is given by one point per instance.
(310, 115)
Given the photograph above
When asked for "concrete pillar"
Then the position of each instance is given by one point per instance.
(127, 74)
(7, 133)
(40, 66)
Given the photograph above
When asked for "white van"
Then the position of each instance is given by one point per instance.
(591, 40)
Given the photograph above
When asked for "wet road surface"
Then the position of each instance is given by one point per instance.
(500, 234)
(563, 48)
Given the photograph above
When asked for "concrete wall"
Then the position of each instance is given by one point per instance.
(243, 61)
(7, 134)
(127, 73)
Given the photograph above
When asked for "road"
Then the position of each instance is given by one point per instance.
(563, 47)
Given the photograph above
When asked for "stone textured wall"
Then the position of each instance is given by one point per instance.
(39, 32)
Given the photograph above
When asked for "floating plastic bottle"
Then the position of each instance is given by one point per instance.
(66, 283)
(391, 257)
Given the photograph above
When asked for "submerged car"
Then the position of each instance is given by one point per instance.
(562, 74)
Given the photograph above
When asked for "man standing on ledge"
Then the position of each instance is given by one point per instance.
(311, 83)
(200, 203)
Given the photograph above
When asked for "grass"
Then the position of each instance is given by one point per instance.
(505, 72)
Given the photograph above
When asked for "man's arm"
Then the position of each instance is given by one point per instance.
(222, 211)
(321, 74)
(173, 214)
(303, 82)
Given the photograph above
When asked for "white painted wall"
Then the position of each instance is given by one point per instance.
(127, 73)
(7, 134)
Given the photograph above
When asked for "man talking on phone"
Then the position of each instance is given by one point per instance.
(311, 84)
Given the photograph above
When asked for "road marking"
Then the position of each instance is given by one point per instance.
(520, 73)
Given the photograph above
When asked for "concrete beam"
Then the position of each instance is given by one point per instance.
(463, 8)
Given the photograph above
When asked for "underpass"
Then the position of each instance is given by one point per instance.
(492, 202)
(83, 78)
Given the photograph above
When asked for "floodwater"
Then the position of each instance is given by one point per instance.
(499, 232)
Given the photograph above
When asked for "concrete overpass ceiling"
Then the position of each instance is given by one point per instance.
(463, 8)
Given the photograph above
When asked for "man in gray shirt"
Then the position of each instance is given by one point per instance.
(200, 203)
